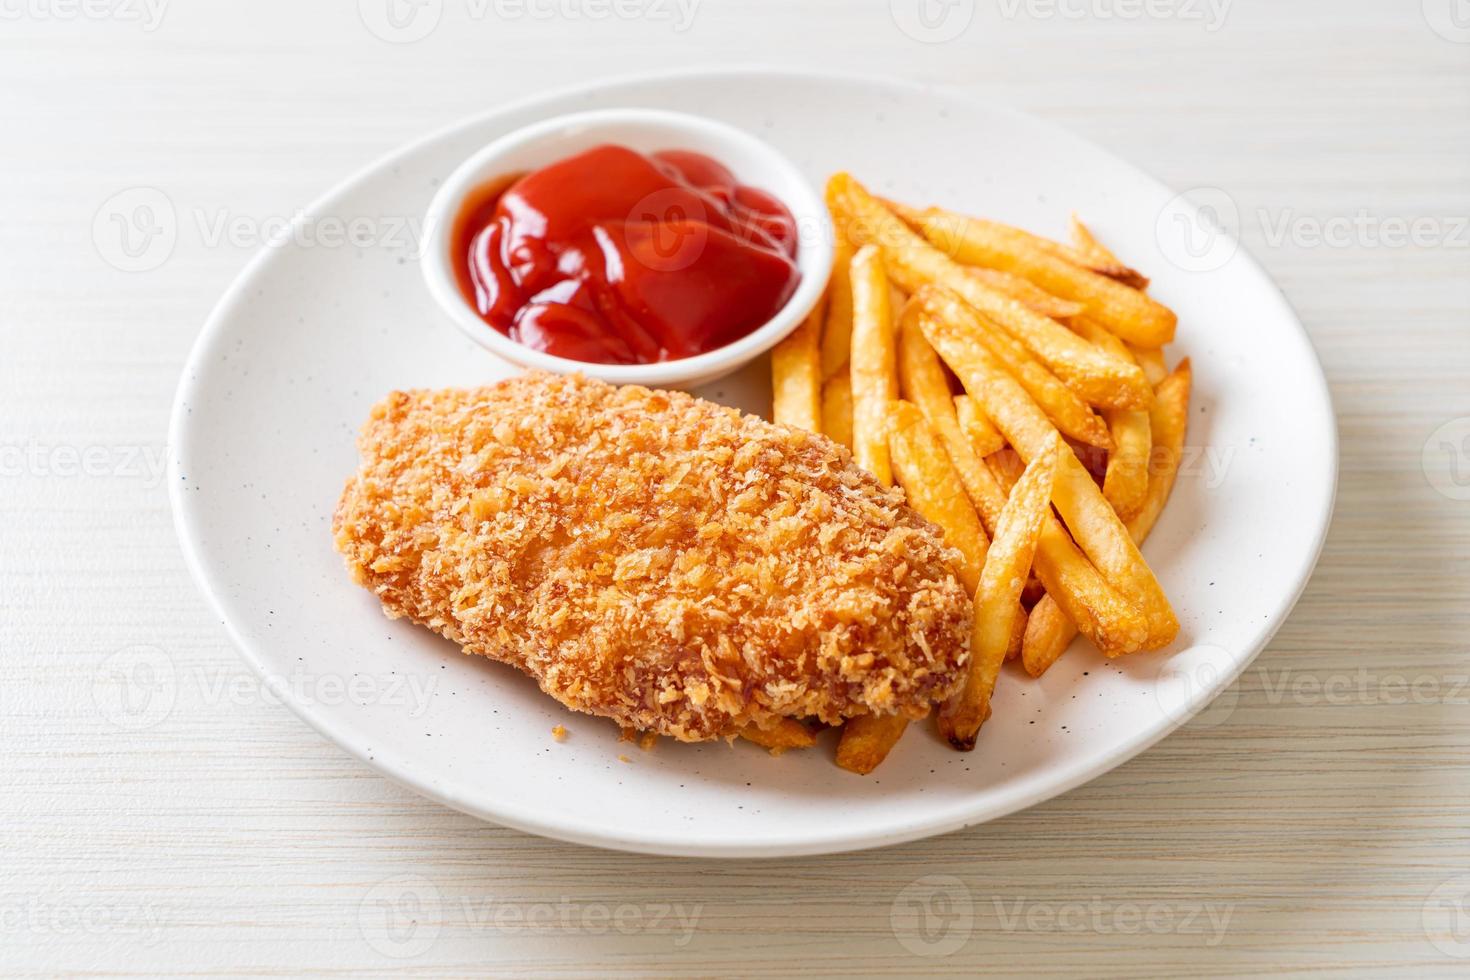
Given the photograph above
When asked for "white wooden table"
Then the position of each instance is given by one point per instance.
(1318, 819)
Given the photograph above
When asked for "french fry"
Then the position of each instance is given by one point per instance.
(866, 741)
(1072, 578)
(983, 436)
(1127, 312)
(923, 468)
(1093, 523)
(1151, 359)
(1101, 260)
(1103, 615)
(1007, 467)
(1101, 611)
(908, 214)
(1092, 331)
(1018, 629)
(999, 595)
(837, 330)
(1089, 517)
(1125, 482)
(896, 299)
(987, 496)
(1085, 253)
(837, 408)
(1170, 420)
(913, 262)
(1026, 292)
(1066, 410)
(915, 217)
(1051, 342)
(921, 380)
(783, 734)
(796, 376)
(1049, 631)
(874, 368)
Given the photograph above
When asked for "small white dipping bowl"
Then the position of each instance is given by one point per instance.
(751, 160)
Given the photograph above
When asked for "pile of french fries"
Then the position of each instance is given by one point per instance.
(1057, 351)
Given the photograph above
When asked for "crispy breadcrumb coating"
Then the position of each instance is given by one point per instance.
(653, 558)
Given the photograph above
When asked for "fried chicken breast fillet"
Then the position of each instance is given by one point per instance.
(653, 558)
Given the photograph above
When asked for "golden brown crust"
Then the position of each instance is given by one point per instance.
(651, 557)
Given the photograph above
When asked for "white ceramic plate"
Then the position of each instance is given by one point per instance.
(311, 335)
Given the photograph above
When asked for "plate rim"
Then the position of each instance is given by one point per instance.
(580, 831)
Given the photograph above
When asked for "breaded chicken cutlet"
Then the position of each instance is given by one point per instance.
(651, 557)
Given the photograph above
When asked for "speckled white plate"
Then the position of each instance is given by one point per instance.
(311, 335)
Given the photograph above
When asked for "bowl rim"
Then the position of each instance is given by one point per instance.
(807, 206)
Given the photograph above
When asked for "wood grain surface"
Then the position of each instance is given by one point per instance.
(1316, 819)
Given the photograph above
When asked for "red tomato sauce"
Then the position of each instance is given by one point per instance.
(617, 257)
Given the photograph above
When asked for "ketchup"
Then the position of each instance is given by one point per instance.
(615, 257)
